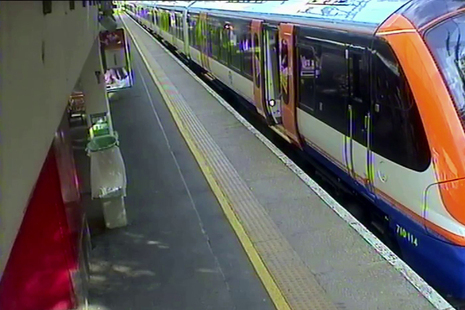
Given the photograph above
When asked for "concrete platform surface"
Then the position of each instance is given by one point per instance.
(178, 251)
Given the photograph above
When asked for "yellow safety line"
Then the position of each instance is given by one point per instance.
(265, 276)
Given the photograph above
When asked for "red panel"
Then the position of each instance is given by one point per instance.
(286, 34)
(37, 275)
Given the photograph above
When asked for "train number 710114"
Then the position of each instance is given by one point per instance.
(406, 235)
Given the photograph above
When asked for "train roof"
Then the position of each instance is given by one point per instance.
(426, 13)
(368, 12)
(174, 4)
(360, 15)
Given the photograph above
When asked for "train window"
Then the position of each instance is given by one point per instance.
(205, 36)
(235, 47)
(147, 15)
(309, 71)
(172, 24)
(359, 81)
(397, 129)
(174, 29)
(180, 27)
(176, 25)
(191, 22)
(272, 60)
(447, 44)
(224, 54)
(164, 21)
(355, 72)
(284, 70)
(198, 32)
(331, 86)
(256, 59)
(214, 39)
(247, 55)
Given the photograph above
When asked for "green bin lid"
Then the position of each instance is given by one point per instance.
(100, 143)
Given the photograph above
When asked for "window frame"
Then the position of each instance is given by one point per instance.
(419, 158)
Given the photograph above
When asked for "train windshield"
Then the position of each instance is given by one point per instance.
(447, 43)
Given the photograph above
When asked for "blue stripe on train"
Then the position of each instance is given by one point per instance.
(437, 261)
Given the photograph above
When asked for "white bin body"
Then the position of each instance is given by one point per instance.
(108, 183)
(107, 173)
(114, 212)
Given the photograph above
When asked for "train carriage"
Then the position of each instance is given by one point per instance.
(374, 90)
(170, 18)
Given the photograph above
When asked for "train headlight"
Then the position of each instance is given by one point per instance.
(272, 103)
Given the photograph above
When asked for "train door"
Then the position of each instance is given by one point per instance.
(358, 141)
(185, 30)
(271, 73)
(173, 27)
(257, 67)
(204, 45)
(287, 68)
(156, 16)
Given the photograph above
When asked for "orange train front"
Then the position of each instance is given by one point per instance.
(374, 93)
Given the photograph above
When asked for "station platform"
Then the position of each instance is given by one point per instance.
(219, 218)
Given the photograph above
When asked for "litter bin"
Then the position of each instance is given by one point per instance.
(108, 178)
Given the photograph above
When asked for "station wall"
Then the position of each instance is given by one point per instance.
(41, 58)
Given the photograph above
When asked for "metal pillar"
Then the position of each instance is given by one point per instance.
(92, 84)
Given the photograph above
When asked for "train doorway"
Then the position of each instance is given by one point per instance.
(358, 141)
(257, 67)
(203, 41)
(271, 74)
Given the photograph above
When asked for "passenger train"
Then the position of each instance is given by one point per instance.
(373, 90)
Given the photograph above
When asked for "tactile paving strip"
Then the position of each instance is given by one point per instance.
(295, 281)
